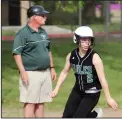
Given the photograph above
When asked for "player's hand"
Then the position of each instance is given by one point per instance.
(53, 74)
(112, 103)
(24, 77)
(54, 93)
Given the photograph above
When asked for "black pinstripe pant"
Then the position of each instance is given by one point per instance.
(80, 105)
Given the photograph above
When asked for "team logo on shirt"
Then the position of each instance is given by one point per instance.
(86, 70)
(43, 36)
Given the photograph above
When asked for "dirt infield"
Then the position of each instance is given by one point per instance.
(107, 112)
(110, 113)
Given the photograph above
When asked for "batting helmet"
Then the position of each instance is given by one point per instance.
(81, 32)
(36, 10)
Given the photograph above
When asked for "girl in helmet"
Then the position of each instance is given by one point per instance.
(90, 77)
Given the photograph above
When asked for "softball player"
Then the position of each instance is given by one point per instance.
(90, 78)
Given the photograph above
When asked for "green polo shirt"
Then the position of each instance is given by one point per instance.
(34, 47)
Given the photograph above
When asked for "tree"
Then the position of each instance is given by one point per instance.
(88, 12)
(60, 9)
(70, 9)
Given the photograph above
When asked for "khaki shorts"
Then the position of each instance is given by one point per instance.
(40, 85)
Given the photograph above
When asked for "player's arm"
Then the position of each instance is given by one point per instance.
(101, 75)
(64, 72)
(62, 76)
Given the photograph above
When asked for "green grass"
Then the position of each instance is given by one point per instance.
(112, 59)
(8, 33)
(96, 27)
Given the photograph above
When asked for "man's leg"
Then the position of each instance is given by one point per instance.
(43, 93)
(29, 110)
(39, 110)
(31, 94)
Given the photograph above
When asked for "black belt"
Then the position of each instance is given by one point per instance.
(41, 69)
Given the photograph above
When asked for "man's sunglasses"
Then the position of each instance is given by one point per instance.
(43, 15)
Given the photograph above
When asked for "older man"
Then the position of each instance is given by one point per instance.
(31, 51)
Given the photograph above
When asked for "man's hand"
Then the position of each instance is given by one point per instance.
(24, 77)
(53, 74)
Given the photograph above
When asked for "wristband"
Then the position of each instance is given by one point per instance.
(52, 67)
